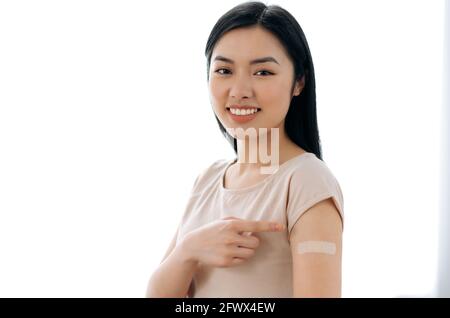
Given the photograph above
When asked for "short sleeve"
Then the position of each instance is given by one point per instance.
(194, 185)
(308, 185)
(202, 182)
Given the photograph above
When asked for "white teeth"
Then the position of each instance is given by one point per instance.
(243, 112)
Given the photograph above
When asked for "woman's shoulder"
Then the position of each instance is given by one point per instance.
(313, 176)
(310, 181)
(209, 174)
(309, 166)
(214, 168)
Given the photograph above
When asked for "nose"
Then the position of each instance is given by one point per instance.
(241, 88)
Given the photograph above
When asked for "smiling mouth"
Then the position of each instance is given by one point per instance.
(243, 111)
(243, 115)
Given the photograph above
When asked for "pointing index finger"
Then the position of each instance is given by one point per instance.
(259, 226)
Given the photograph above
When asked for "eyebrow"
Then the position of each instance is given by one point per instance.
(255, 61)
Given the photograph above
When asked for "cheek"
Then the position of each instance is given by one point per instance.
(218, 99)
(274, 97)
(217, 93)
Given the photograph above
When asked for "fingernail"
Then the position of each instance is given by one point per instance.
(275, 226)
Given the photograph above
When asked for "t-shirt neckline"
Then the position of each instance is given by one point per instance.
(262, 182)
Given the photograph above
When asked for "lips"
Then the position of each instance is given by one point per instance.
(242, 114)
(243, 107)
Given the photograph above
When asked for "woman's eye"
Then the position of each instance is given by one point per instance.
(268, 73)
(223, 69)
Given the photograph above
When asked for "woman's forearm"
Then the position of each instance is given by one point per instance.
(173, 276)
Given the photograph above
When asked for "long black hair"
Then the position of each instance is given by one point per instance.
(301, 118)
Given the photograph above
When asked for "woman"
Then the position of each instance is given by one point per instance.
(262, 90)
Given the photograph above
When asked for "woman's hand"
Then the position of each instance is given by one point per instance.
(226, 242)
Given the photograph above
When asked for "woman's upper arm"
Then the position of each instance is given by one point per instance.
(316, 246)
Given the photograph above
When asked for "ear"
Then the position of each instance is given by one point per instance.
(299, 84)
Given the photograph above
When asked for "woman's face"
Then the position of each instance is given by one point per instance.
(263, 85)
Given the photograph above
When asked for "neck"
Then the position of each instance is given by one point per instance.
(263, 151)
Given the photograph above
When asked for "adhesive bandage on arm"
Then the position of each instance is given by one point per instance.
(322, 247)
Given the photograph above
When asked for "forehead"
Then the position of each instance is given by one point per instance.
(245, 44)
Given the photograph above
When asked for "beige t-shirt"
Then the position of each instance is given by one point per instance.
(283, 196)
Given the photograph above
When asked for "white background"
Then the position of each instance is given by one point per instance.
(105, 122)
